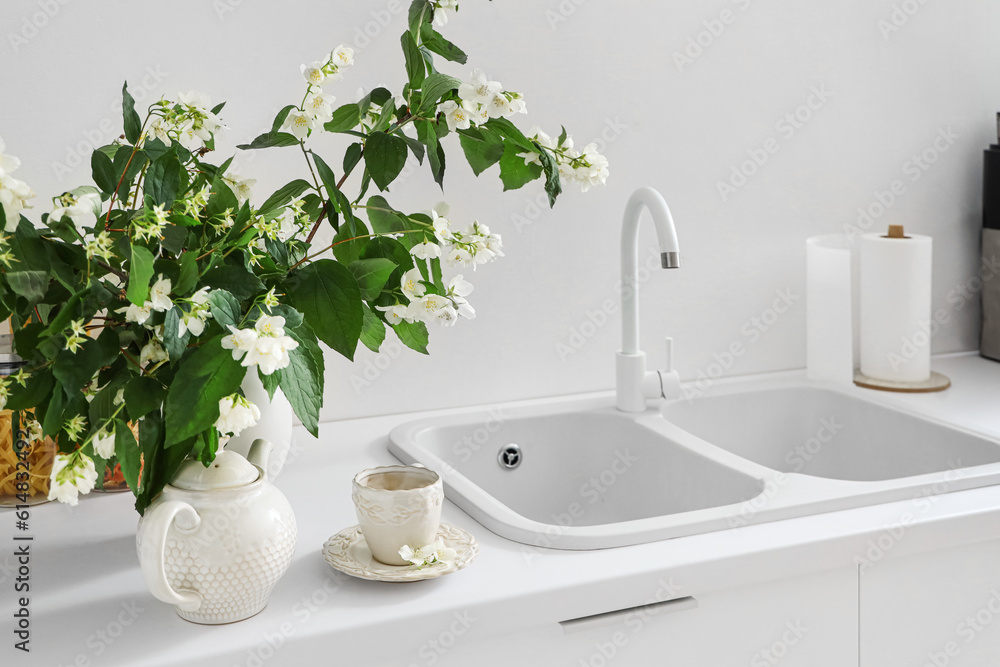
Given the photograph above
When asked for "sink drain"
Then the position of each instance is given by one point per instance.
(509, 456)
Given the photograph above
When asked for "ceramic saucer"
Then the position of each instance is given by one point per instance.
(348, 552)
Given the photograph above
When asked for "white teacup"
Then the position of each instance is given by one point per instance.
(397, 506)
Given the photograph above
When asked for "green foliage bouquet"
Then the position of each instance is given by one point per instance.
(141, 302)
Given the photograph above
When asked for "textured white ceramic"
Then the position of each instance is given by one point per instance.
(213, 544)
(393, 517)
(274, 425)
(348, 552)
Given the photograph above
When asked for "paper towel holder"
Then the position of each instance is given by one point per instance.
(936, 382)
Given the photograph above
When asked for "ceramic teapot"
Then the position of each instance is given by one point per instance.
(217, 539)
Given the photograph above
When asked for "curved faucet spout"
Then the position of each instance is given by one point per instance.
(634, 384)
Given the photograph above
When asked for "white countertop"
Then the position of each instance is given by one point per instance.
(89, 605)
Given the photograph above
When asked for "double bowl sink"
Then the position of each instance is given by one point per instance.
(583, 475)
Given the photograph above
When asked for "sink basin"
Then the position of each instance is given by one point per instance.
(825, 433)
(579, 474)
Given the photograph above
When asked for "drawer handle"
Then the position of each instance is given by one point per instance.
(614, 617)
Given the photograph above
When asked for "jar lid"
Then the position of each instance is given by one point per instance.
(228, 470)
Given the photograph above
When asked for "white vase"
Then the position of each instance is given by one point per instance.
(275, 424)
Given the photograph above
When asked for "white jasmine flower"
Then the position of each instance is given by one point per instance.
(77, 336)
(192, 321)
(457, 117)
(411, 285)
(74, 427)
(270, 353)
(159, 295)
(434, 307)
(428, 555)
(269, 325)
(396, 313)
(343, 56)
(188, 138)
(152, 353)
(313, 73)
(8, 163)
(440, 10)
(196, 99)
(119, 397)
(160, 128)
(101, 246)
(426, 250)
(319, 105)
(14, 195)
(104, 443)
(71, 475)
(516, 105)
(498, 106)
(299, 123)
(458, 256)
(494, 244)
(442, 228)
(458, 286)
(137, 314)
(240, 341)
(479, 90)
(81, 210)
(236, 414)
(596, 171)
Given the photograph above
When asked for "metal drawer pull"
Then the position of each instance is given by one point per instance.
(614, 617)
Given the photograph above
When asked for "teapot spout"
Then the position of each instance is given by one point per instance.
(260, 454)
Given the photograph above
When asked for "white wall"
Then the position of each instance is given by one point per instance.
(602, 68)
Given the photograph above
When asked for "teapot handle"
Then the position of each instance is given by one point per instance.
(157, 522)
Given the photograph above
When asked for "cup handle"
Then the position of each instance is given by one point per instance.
(151, 553)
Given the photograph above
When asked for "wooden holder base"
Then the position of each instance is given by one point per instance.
(936, 382)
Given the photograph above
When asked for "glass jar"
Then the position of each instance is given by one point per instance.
(25, 457)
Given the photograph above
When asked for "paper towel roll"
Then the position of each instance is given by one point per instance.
(896, 307)
(831, 309)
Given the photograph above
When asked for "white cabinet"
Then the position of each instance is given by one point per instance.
(799, 622)
(932, 609)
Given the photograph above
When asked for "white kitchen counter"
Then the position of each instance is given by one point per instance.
(89, 605)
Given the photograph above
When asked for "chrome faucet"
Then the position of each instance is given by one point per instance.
(633, 382)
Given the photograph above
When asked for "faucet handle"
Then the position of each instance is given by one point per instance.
(669, 365)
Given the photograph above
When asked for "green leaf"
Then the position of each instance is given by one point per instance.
(279, 120)
(29, 284)
(372, 331)
(208, 376)
(344, 118)
(142, 395)
(330, 183)
(159, 462)
(110, 346)
(351, 157)
(553, 187)
(163, 180)
(371, 275)
(420, 12)
(133, 126)
(514, 171)
(174, 344)
(385, 157)
(343, 206)
(412, 335)
(285, 194)
(225, 308)
(432, 40)
(234, 279)
(174, 238)
(188, 274)
(270, 383)
(129, 455)
(435, 87)
(416, 147)
(347, 247)
(103, 171)
(328, 295)
(302, 380)
(270, 140)
(435, 153)
(384, 218)
(139, 275)
(37, 388)
(52, 419)
(414, 60)
(74, 370)
(482, 153)
(509, 131)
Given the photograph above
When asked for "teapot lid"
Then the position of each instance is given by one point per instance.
(228, 470)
